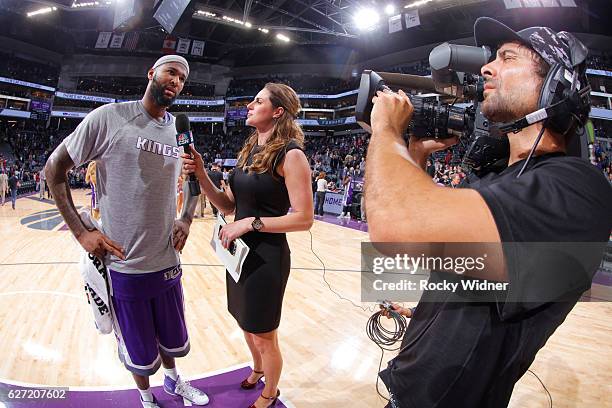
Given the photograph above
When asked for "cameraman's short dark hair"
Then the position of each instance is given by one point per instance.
(541, 66)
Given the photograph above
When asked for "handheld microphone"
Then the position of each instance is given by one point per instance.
(184, 138)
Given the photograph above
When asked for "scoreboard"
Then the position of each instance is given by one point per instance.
(40, 109)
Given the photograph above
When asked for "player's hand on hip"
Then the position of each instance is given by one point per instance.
(180, 232)
(193, 164)
(99, 244)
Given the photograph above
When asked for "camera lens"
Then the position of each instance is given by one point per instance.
(432, 119)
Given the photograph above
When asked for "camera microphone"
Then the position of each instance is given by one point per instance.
(184, 138)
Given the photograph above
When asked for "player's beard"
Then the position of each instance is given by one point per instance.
(507, 106)
(157, 90)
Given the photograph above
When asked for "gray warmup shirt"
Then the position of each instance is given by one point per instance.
(138, 165)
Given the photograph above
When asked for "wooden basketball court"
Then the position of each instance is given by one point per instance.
(48, 336)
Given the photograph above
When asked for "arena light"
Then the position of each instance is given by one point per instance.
(85, 4)
(390, 9)
(206, 13)
(45, 10)
(224, 19)
(263, 30)
(366, 19)
(239, 22)
(283, 37)
(417, 3)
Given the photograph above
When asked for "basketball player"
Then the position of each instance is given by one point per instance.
(3, 186)
(134, 145)
(347, 197)
(180, 197)
(90, 177)
(41, 184)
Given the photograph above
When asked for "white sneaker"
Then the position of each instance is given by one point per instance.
(190, 393)
(341, 215)
(149, 404)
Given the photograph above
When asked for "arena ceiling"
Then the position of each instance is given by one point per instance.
(319, 30)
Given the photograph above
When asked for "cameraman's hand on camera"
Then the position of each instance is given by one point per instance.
(404, 311)
(420, 149)
(193, 164)
(391, 113)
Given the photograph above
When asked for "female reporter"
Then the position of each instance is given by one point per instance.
(272, 175)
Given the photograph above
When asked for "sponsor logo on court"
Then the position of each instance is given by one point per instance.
(47, 220)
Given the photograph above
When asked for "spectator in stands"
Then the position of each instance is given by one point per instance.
(13, 184)
(362, 165)
(15, 67)
(320, 194)
(216, 177)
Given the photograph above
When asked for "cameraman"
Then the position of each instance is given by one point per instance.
(468, 354)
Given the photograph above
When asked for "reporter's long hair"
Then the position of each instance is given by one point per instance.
(285, 129)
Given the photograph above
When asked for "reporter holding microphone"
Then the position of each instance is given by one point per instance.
(272, 175)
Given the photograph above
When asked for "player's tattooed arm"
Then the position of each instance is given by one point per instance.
(189, 203)
(56, 173)
(180, 230)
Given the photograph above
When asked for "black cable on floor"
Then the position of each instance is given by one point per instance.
(385, 338)
(370, 309)
(544, 386)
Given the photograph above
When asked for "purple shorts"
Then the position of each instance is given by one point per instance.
(94, 199)
(149, 318)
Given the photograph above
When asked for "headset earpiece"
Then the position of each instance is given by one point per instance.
(557, 89)
(549, 87)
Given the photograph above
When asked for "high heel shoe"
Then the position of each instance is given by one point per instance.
(273, 399)
(246, 385)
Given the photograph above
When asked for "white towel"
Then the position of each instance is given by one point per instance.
(97, 282)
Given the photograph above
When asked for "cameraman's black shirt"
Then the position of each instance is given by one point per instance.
(457, 354)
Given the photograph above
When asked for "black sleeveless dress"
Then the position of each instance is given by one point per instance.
(256, 299)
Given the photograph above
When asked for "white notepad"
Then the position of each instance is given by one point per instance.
(233, 259)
